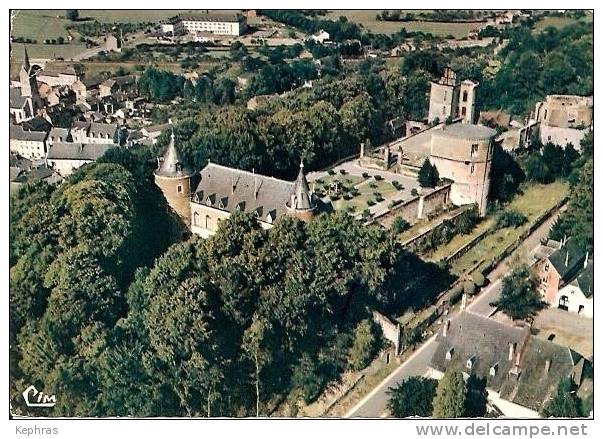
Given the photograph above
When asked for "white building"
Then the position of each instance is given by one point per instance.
(65, 157)
(321, 36)
(577, 295)
(28, 144)
(216, 23)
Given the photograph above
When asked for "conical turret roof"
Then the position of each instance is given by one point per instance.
(302, 199)
(173, 165)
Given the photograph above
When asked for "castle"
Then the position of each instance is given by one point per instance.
(221, 191)
(449, 98)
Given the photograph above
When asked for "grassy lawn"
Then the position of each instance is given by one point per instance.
(535, 200)
(367, 19)
(560, 22)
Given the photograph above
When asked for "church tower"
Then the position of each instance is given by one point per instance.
(301, 204)
(27, 78)
(173, 176)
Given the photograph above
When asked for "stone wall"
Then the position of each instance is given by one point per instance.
(391, 330)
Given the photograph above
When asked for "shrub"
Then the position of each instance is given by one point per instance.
(456, 293)
(366, 344)
(365, 175)
(510, 218)
(378, 177)
(343, 171)
(373, 185)
(414, 192)
(400, 225)
(377, 194)
(370, 202)
(366, 213)
(479, 279)
(331, 172)
(469, 287)
(379, 199)
(334, 197)
(395, 203)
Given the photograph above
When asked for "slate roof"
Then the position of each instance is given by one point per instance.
(15, 98)
(487, 342)
(466, 131)
(233, 189)
(78, 151)
(568, 259)
(56, 132)
(18, 133)
(302, 199)
(173, 165)
(585, 279)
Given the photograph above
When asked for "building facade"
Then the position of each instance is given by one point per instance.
(218, 24)
(66, 157)
(463, 153)
(26, 143)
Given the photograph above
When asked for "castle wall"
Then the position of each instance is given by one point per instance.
(562, 136)
(443, 102)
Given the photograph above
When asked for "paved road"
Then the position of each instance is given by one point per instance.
(374, 405)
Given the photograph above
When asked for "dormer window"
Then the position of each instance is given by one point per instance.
(470, 362)
(494, 370)
(449, 354)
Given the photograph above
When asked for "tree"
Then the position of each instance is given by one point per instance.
(477, 397)
(72, 14)
(400, 225)
(428, 174)
(519, 298)
(510, 218)
(451, 395)
(412, 397)
(564, 404)
(254, 346)
(365, 345)
(538, 170)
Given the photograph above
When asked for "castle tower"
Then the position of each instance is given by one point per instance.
(443, 97)
(467, 100)
(301, 204)
(173, 176)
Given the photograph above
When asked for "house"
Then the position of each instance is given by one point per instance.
(124, 83)
(27, 143)
(58, 134)
(522, 372)
(112, 43)
(153, 132)
(94, 132)
(64, 157)
(56, 78)
(559, 269)
(321, 36)
(20, 107)
(80, 90)
(577, 295)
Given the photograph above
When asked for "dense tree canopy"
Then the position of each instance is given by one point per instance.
(451, 394)
(519, 298)
(412, 397)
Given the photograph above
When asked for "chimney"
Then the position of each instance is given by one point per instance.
(464, 301)
(586, 260)
(511, 351)
(547, 366)
(445, 329)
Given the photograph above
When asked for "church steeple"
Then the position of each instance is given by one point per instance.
(26, 64)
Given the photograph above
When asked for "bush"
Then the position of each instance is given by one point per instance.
(378, 177)
(400, 225)
(414, 192)
(366, 213)
(331, 172)
(370, 202)
(343, 171)
(379, 199)
(469, 287)
(365, 175)
(479, 279)
(373, 185)
(510, 218)
(334, 197)
(456, 293)
(366, 344)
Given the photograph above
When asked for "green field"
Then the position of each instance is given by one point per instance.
(560, 22)
(367, 18)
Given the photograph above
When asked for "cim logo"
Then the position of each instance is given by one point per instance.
(35, 398)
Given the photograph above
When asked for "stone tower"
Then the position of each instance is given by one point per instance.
(467, 100)
(443, 98)
(301, 204)
(173, 176)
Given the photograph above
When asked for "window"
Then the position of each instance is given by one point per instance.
(207, 221)
(465, 96)
(474, 149)
(196, 218)
(464, 111)
(545, 114)
(472, 168)
(179, 188)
